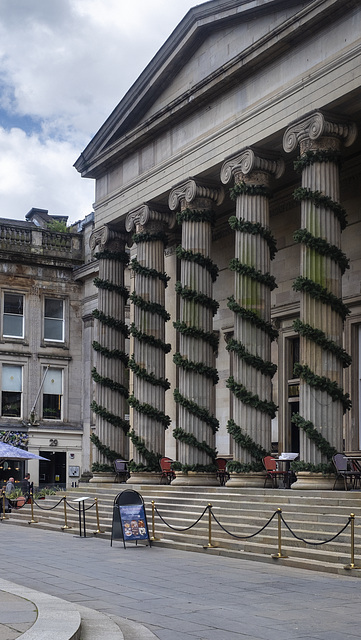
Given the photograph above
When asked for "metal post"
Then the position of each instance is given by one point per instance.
(65, 526)
(153, 522)
(97, 514)
(4, 516)
(352, 563)
(279, 554)
(32, 521)
(210, 544)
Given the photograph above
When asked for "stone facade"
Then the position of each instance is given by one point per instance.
(265, 302)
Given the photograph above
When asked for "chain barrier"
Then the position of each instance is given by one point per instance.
(76, 508)
(49, 508)
(278, 513)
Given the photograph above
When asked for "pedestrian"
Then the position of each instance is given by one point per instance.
(26, 485)
(10, 487)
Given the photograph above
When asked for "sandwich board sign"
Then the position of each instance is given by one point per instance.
(129, 518)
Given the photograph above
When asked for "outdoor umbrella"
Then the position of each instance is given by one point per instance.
(8, 452)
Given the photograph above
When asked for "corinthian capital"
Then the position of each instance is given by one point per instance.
(107, 237)
(144, 216)
(247, 161)
(317, 125)
(192, 190)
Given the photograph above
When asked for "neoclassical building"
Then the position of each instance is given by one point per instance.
(228, 186)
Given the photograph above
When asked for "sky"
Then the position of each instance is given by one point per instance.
(64, 66)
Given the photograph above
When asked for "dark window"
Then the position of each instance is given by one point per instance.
(13, 319)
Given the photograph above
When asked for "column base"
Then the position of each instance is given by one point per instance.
(307, 480)
(144, 477)
(250, 479)
(101, 477)
(195, 478)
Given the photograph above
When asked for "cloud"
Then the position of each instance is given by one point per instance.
(64, 66)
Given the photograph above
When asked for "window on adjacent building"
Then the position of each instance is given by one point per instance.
(13, 317)
(12, 384)
(54, 320)
(53, 394)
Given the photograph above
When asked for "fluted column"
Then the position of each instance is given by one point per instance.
(110, 438)
(322, 313)
(251, 384)
(195, 360)
(148, 330)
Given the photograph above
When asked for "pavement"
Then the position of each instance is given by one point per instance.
(178, 595)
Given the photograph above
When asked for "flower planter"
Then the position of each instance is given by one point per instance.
(144, 477)
(250, 479)
(310, 481)
(195, 479)
(103, 477)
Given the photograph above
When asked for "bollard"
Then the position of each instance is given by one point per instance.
(210, 544)
(279, 554)
(65, 526)
(153, 522)
(4, 516)
(97, 515)
(32, 521)
(352, 563)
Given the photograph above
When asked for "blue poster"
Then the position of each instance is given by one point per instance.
(133, 521)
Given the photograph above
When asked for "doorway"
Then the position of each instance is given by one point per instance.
(53, 470)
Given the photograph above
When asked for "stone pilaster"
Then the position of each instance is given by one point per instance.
(251, 383)
(322, 313)
(195, 360)
(110, 372)
(148, 330)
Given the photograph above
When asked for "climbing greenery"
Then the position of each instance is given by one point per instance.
(148, 272)
(149, 339)
(191, 440)
(200, 259)
(253, 318)
(109, 383)
(246, 270)
(311, 157)
(318, 292)
(323, 384)
(265, 367)
(108, 453)
(196, 410)
(116, 421)
(322, 247)
(193, 215)
(146, 236)
(110, 286)
(143, 374)
(246, 442)
(110, 321)
(253, 400)
(120, 256)
(321, 443)
(320, 200)
(151, 307)
(152, 459)
(191, 295)
(254, 228)
(241, 188)
(196, 367)
(116, 354)
(194, 332)
(320, 338)
(148, 410)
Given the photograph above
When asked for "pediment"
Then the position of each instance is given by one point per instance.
(208, 49)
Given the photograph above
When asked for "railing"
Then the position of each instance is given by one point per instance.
(40, 241)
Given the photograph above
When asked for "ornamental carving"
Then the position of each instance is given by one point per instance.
(317, 125)
(144, 216)
(107, 237)
(247, 161)
(191, 190)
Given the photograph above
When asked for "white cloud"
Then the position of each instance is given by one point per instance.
(67, 64)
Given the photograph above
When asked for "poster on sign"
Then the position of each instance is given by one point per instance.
(129, 518)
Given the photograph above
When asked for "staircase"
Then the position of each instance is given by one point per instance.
(314, 516)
